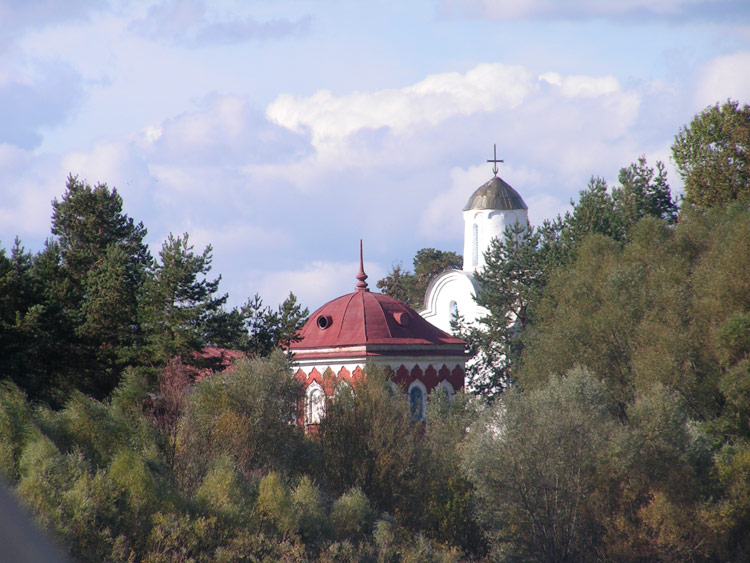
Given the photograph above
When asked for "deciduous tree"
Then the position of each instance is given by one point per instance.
(411, 287)
(712, 155)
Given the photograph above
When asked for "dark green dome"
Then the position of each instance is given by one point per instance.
(495, 194)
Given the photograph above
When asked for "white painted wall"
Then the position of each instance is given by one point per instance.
(490, 224)
(452, 286)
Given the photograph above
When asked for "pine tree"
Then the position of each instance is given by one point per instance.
(179, 302)
(103, 263)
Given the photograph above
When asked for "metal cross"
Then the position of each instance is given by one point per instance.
(495, 160)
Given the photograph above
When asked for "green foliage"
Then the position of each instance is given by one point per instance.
(516, 271)
(447, 493)
(369, 440)
(88, 426)
(731, 517)
(87, 221)
(15, 424)
(595, 212)
(275, 506)
(712, 155)
(644, 192)
(245, 414)
(267, 330)
(179, 301)
(351, 515)
(103, 264)
(181, 537)
(30, 331)
(223, 491)
(309, 509)
(624, 313)
(535, 459)
(410, 287)
(109, 312)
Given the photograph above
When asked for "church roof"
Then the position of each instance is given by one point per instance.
(495, 194)
(376, 321)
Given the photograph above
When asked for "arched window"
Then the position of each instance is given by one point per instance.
(475, 245)
(315, 409)
(449, 391)
(416, 402)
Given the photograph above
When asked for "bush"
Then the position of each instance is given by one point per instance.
(351, 515)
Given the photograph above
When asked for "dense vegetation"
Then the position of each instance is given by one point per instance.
(612, 421)
(94, 302)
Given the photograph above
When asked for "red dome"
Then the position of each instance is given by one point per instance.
(365, 318)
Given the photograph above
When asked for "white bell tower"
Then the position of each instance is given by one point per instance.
(492, 208)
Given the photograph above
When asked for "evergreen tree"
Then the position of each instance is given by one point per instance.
(267, 330)
(22, 337)
(516, 271)
(179, 302)
(86, 221)
(102, 266)
(644, 192)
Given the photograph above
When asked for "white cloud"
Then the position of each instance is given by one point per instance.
(377, 148)
(223, 130)
(577, 86)
(724, 77)
(330, 119)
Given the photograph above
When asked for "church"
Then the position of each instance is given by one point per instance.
(365, 328)
(491, 209)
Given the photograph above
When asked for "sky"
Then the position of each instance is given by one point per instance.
(282, 133)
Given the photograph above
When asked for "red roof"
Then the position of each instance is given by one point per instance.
(221, 359)
(363, 318)
(375, 323)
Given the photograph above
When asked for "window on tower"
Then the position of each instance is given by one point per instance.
(475, 246)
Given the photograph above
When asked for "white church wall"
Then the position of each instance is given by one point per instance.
(483, 225)
(451, 290)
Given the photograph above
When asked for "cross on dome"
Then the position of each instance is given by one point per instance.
(494, 160)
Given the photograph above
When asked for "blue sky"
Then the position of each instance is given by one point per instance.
(283, 132)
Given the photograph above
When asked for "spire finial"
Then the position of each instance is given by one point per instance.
(494, 160)
(361, 276)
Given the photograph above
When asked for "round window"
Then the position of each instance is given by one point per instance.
(324, 321)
